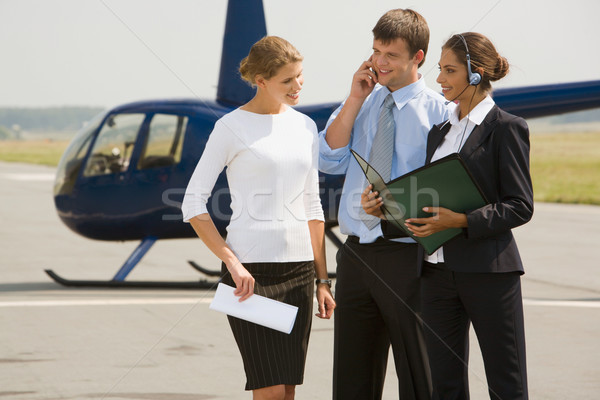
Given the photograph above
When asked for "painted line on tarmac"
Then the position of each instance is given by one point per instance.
(28, 177)
(562, 303)
(187, 300)
(103, 302)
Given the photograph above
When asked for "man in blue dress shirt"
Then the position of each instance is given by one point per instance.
(377, 289)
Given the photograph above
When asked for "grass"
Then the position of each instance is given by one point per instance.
(44, 152)
(565, 167)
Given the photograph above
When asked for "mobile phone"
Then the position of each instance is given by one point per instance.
(373, 71)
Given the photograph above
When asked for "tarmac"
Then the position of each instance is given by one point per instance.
(74, 343)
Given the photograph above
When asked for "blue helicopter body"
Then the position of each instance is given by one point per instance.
(123, 176)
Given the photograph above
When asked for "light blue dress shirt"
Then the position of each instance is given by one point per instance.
(418, 108)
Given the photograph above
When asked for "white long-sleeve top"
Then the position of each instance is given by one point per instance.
(272, 162)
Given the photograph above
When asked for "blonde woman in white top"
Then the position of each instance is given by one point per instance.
(275, 240)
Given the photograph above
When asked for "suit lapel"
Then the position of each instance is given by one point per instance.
(480, 133)
(435, 137)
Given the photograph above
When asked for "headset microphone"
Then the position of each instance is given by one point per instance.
(456, 97)
(474, 77)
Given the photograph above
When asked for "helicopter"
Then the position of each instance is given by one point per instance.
(123, 176)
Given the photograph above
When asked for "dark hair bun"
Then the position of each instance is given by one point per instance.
(501, 69)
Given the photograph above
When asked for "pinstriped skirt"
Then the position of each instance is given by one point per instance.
(271, 357)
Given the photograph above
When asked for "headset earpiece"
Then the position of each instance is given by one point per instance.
(473, 77)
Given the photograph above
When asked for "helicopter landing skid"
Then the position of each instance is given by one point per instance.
(118, 281)
(210, 272)
(328, 233)
(201, 284)
(205, 271)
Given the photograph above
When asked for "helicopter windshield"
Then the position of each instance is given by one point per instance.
(70, 162)
(114, 145)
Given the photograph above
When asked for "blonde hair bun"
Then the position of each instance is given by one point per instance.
(266, 57)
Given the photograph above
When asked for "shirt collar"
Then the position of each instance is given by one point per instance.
(477, 114)
(404, 94)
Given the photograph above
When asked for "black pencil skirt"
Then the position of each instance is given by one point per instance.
(271, 357)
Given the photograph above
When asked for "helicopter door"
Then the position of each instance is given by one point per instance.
(162, 147)
(103, 188)
(160, 176)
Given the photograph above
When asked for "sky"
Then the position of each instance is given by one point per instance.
(108, 52)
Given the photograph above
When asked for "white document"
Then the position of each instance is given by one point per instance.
(258, 309)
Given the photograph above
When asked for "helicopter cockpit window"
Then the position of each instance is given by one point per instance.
(113, 147)
(164, 142)
(72, 159)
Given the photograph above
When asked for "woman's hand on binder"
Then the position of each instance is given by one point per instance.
(371, 203)
(442, 219)
(244, 282)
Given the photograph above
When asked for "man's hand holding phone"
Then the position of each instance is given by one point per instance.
(364, 80)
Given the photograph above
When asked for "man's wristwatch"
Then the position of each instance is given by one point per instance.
(325, 281)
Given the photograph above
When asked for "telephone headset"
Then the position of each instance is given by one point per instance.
(474, 77)
(474, 80)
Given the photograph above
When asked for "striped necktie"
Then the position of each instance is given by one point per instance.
(382, 150)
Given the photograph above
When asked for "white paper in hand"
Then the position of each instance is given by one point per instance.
(258, 309)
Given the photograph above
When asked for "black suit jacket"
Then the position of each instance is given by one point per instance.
(497, 155)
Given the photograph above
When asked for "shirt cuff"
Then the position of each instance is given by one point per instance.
(329, 154)
(318, 216)
(191, 212)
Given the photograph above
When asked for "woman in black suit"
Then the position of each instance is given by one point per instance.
(475, 277)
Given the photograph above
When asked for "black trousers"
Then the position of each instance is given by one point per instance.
(377, 295)
(493, 303)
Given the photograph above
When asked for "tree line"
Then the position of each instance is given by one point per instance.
(14, 120)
